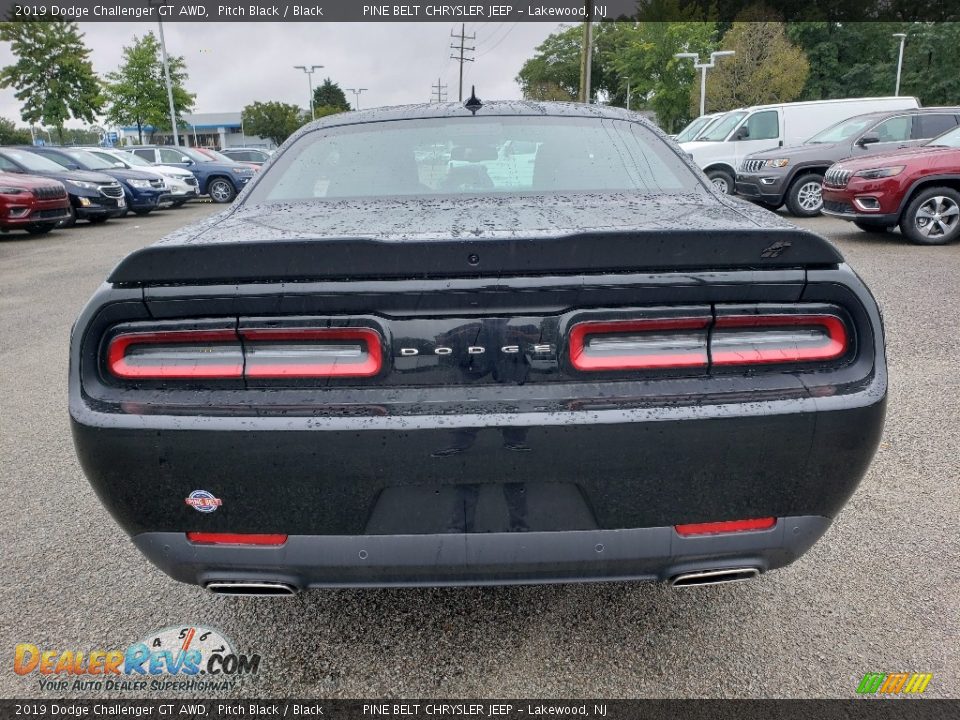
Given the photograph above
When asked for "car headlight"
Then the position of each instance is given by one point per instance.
(4, 190)
(778, 163)
(83, 184)
(139, 184)
(877, 173)
(243, 171)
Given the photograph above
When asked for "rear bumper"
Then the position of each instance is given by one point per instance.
(310, 561)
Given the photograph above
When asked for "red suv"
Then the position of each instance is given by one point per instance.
(917, 189)
(34, 204)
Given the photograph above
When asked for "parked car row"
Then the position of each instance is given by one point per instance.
(897, 164)
(42, 187)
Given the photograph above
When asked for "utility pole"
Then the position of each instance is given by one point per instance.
(309, 72)
(586, 53)
(627, 78)
(356, 96)
(461, 58)
(439, 92)
(903, 39)
(166, 78)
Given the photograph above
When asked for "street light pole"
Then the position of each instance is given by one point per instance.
(309, 72)
(903, 39)
(356, 96)
(703, 67)
(627, 78)
(166, 78)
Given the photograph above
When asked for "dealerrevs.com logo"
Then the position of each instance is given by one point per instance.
(894, 683)
(180, 659)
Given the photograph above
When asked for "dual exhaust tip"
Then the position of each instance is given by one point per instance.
(281, 589)
(713, 577)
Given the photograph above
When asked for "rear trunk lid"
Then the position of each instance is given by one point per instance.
(422, 238)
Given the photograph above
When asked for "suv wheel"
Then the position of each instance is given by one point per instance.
(221, 190)
(803, 197)
(722, 181)
(932, 217)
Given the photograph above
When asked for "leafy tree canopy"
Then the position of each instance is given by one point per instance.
(52, 77)
(329, 94)
(137, 93)
(274, 120)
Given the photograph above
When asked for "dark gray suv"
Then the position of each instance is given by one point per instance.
(792, 175)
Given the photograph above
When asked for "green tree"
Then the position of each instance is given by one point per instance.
(10, 134)
(658, 80)
(274, 120)
(329, 95)
(52, 77)
(137, 93)
(553, 73)
(767, 67)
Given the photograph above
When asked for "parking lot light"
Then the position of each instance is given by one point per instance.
(903, 39)
(703, 67)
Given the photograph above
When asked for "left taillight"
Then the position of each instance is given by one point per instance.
(311, 352)
(175, 355)
(254, 353)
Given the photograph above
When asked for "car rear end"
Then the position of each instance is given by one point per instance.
(548, 427)
(592, 387)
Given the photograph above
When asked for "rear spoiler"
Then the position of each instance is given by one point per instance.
(367, 259)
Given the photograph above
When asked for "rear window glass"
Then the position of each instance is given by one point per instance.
(474, 156)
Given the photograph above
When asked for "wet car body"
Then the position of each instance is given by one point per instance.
(532, 387)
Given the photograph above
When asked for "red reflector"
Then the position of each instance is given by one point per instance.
(311, 352)
(727, 526)
(757, 339)
(210, 538)
(651, 344)
(176, 354)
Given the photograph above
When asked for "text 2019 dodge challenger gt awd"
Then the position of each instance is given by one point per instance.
(496, 343)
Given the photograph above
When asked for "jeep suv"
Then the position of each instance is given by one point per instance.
(793, 175)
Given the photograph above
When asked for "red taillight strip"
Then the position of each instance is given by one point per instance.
(370, 364)
(834, 347)
(581, 360)
(213, 538)
(726, 526)
(118, 365)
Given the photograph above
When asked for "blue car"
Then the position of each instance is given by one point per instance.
(143, 191)
(221, 180)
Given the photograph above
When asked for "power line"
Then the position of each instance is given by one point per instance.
(494, 46)
(439, 93)
(462, 37)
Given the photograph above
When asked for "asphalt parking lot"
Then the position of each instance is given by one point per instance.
(880, 593)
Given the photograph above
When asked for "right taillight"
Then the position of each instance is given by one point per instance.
(311, 352)
(766, 339)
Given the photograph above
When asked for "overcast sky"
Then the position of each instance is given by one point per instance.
(233, 64)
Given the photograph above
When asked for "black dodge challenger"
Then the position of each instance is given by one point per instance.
(484, 343)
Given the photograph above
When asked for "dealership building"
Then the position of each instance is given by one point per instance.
(210, 130)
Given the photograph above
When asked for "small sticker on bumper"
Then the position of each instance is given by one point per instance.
(203, 501)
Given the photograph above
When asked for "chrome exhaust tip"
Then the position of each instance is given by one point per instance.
(713, 577)
(251, 589)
